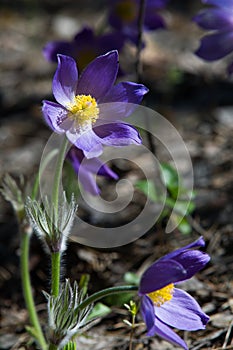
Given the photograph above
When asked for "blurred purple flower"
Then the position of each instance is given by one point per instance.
(84, 47)
(163, 305)
(123, 16)
(86, 169)
(219, 20)
(87, 108)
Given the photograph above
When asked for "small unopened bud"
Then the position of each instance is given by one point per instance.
(42, 218)
(65, 318)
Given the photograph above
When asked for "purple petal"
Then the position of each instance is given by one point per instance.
(75, 156)
(156, 4)
(87, 168)
(65, 80)
(153, 21)
(84, 37)
(88, 181)
(215, 46)
(53, 48)
(166, 333)
(192, 261)
(160, 274)
(88, 142)
(55, 116)
(97, 167)
(99, 76)
(111, 41)
(121, 100)
(228, 4)
(214, 19)
(126, 92)
(182, 312)
(148, 314)
(105, 171)
(86, 178)
(196, 244)
(117, 134)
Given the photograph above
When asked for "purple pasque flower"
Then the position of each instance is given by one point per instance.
(164, 306)
(219, 20)
(123, 16)
(84, 47)
(86, 169)
(89, 108)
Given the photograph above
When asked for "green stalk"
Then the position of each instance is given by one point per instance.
(57, 177)
(27, 290)
(56, 256)
(105, 292)
(55, 266)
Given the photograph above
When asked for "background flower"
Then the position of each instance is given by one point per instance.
(123, 16)
(78, 111)
(163, 305)
(87, 169)
(219, 20)
(85, 46)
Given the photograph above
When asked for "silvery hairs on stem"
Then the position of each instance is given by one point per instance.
(51, 227)
(66, 319)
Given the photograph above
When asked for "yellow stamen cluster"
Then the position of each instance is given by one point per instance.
(83, 109)
(126, 10)
(159, 297)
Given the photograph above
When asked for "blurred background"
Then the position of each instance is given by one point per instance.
(195, 96)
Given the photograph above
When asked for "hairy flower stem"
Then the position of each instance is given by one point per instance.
(56, 256)
(27, 289)
(55, 265)
(105, 292)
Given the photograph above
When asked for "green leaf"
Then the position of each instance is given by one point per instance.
(131, 278)
(148, 188)
(83, 283)
(32, 332)
(183, 224)
(99, 310)
(119, 299)
(170, 178)
(70, 346)
(185, 227)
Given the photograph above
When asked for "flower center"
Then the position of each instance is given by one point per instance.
(159, 297)
(83, 110)
(126, 10)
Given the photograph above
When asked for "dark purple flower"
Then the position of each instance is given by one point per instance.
(84, 47)
(218, 20)
(86, 169)
(89, 108)
(123, 16)
(164, 306)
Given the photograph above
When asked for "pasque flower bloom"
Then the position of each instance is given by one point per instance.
(84, 47)
(87, 108)
(219, 20)
(86, 169)
(123, 16)
(163, 305)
